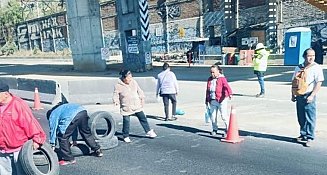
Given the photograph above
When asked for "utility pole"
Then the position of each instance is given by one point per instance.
(237, 16)
(167, 28)
(279, 25)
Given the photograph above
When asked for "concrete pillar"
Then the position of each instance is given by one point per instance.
(85, 34)
(134, 25)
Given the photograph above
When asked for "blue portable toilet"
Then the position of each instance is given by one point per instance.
(296, 41)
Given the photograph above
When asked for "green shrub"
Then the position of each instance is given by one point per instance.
(9, 48)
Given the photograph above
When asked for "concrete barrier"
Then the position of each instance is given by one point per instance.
(88, 91)
(24, 88)
(100, 91)
(82, 91)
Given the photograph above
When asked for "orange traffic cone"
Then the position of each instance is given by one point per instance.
(37, 103)
(232, 133)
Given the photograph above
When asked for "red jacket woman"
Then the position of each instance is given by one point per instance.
(216, 93)
(223, 90)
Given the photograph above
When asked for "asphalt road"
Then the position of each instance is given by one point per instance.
(181, 149)
(185, 146)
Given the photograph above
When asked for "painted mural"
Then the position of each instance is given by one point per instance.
(181, 34)
(319, 31)
(111, 40)
(46, 33)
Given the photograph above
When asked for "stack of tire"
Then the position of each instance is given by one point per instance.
(42, 161)
(103, 128)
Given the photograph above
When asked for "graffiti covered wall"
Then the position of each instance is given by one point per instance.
(181, 35)
(46, 33)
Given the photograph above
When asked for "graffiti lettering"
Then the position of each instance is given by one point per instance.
(50, 29)
(174, 11)
(22, 33)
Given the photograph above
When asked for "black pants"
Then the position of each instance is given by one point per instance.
(165, 99)
(80, 121)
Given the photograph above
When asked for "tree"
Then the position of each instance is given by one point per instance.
(12, 14)
(9, 16)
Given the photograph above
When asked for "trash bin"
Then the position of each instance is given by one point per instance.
(296, 41)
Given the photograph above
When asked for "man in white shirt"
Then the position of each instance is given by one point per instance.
(306, 104)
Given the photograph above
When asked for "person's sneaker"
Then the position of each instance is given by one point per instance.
(98, 153)
(127, 140)
(67, 162)
(171, 119)
(301, 139)
(151, 134)
(213, 133)
(308, 143)
(260, 95)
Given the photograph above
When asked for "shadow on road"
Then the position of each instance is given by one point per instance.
(219, 136)
(183, 128)
(244, 95)
(156, 117)
(267, 136)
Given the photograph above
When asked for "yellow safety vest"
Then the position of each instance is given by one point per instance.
(260, 60)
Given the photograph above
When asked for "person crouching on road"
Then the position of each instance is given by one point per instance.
(130, 97)
(64, 119)
(217, 92)
(18, 125)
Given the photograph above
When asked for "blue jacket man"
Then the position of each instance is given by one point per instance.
(64, 119)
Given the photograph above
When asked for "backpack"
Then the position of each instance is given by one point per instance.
(299, 84)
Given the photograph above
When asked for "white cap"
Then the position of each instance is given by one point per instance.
(259, 46)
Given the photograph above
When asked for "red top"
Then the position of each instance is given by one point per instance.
(17, 125)
(223, 90)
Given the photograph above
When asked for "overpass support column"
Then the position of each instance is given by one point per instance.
(84, 25)
(134, 27)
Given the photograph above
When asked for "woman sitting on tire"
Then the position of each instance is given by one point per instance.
(64, 119)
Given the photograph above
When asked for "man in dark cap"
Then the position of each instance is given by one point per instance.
(18, 125)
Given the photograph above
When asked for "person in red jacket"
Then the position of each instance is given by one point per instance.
(17, 126)
(217, 92)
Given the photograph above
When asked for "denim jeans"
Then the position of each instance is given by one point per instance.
(261, 82)
(142, 118)
(306, 115)
(221, 109)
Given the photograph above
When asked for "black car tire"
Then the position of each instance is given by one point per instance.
(109, 129)
(26, 159)
(108, 143)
